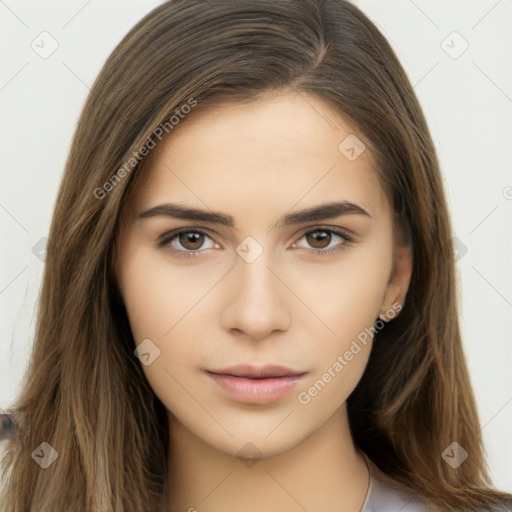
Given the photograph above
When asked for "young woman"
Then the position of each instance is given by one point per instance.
(249, 299)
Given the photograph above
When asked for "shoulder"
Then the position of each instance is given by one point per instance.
(387, 495)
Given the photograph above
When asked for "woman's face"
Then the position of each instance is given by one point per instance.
(254, 279)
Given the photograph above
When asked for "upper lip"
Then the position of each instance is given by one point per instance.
(252, 371)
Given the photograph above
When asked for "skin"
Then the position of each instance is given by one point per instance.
(258, 161)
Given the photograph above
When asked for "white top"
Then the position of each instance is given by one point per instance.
(387, 495)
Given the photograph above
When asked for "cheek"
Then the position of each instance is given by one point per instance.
(346, 293)
(347, 297)
(158, 294)
(164, 304)
(160, 307)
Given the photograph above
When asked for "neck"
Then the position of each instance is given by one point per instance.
(324, 472)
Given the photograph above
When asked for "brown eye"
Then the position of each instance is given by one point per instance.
(319, 239)
(187, 242)
(191, 240)
(323, 241)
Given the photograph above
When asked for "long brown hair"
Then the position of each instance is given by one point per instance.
(85, 393)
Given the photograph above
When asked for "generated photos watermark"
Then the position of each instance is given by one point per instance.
(304, 397)
(137, 156)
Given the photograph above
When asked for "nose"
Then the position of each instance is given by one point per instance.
(257, 303)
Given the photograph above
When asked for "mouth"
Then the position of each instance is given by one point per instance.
(256, 384)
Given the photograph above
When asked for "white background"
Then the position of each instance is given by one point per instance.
(467, 101)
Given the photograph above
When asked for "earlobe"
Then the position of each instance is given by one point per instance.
(398, 285)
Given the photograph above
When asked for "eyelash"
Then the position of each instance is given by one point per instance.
(167, 238)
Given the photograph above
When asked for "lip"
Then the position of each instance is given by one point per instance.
(256, 384)
(253, 371)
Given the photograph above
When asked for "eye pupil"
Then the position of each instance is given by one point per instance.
(319, 236)
(191, 237)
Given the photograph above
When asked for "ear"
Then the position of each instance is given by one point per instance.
(396, 290)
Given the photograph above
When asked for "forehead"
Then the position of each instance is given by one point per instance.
(275, 152)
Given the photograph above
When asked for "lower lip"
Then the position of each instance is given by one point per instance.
(256, 391)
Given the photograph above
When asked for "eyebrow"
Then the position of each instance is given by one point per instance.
(324, 211)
